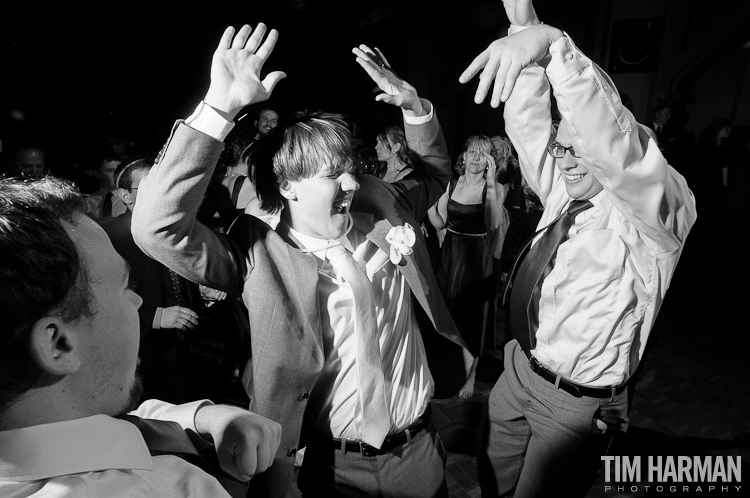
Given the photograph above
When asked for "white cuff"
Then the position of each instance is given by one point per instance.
(514, 28)
(206, 120)
(418, 120)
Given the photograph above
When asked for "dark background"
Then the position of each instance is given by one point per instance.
(73, 76)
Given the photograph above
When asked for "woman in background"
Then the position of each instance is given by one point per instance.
(470, 210)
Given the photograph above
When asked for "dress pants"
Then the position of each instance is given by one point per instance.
(416, 469)
(539, 441)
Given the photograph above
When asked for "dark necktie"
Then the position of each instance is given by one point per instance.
(524, 300)
(178, 288)
(107, 205)
(168, 438)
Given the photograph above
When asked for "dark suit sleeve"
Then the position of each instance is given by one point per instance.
(164, 219)
(421, 189)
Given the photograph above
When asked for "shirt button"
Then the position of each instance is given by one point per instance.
(303, 396)
(570, 57)
(291, 452)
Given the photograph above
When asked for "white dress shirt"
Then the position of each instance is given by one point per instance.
(600, 301)
(100, 456)
(409, 385)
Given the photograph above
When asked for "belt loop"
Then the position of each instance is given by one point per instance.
(343, 446)
(408, 436)
(557, 381)
(614, 391)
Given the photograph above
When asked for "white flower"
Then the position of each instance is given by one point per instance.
(401, 239)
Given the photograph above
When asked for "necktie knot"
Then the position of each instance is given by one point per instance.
(578, 206)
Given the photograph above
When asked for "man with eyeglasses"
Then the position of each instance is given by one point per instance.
(587, 292)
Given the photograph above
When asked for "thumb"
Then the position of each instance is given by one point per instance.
(272, 79)
(387, 98)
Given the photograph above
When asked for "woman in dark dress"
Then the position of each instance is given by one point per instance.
(470, 210)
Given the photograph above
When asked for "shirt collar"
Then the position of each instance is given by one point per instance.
(87, 444)
(319, 247)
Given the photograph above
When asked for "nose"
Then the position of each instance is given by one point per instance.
(348, 183)
(136, 299)
(567, 161)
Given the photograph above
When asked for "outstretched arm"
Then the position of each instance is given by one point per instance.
(396, 91)
(516, 65)
(164, 223)
(235, 70)
(418, 191)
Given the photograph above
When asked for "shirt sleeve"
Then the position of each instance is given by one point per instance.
(617, 149)
(183, 414)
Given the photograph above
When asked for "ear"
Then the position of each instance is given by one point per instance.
(54, 346)
(396, 147)
(287, 190)
(124, 195)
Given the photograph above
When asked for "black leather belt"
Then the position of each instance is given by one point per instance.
(571, 387)
(390, 442)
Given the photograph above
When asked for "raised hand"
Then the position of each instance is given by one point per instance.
(236, 67)
(504, 59)
(396, 91)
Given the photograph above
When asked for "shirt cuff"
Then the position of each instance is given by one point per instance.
(156, 323)
(161, 410)
(565, 60)
(418, 120)
(515, 28)
(206, 120)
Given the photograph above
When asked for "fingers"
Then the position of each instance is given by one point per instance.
(372, 70)
(510, 80)
(500, 80)
(265, 50)
(492, 71)
(254, 41)
(241, 37)
(226, 38)
(241, 463)
(382, 57)
(476, 65)
(366, 53)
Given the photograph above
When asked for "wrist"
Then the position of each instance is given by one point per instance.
(221, 104)
(414, 108)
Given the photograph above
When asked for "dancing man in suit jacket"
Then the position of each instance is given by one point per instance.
(305, 312)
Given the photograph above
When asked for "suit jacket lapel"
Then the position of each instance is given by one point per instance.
(376, 231)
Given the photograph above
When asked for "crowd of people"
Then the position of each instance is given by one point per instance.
(327, 287)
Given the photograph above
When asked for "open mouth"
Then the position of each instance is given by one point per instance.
(342, 205)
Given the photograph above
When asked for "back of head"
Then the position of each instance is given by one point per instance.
(41, 272)
(297, 149)
(124, 172)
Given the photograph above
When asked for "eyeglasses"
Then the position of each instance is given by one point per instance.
(558, 151)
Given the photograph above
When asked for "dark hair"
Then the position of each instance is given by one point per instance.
(267, 107)
(41, 271)
(392, 135)
(295, 150)
(124, 171)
